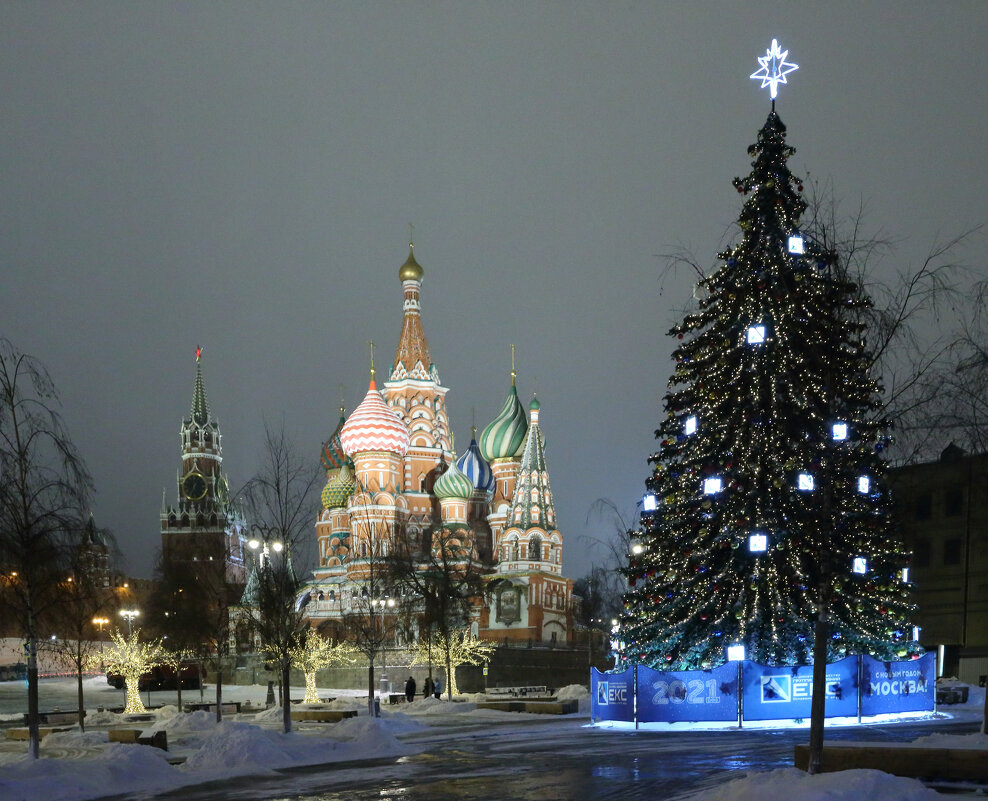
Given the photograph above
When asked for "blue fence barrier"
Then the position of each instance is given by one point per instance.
(898, 686)
(667, 697)
(613, 695)
(856, 685)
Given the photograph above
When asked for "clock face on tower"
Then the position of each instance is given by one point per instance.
(194, 486)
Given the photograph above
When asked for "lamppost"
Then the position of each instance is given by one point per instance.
(129, 615)
(101, 621)
(382, 604)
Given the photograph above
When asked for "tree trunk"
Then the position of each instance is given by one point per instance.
(178, 686)
(286, 709)
(32, 695)
(82, 706)
(370, 686)
(818, 703)
(449, 677)
(219, 689)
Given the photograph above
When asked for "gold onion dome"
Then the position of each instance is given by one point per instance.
(454, 483)
(337, 492)
(411, 270)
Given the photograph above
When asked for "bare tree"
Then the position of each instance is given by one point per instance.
(445, 577)
(86, 596)
(44, 488)
(281, 502)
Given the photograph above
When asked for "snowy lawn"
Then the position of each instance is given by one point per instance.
(790, 784)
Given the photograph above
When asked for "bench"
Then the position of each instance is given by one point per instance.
(931, 764)
(537, 707)
(57, 717)
(158, 739)
(23, 733)
(537, 691)
(226, 707)
(397, 698)
(323, 715)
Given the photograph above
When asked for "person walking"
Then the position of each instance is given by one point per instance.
(427, 687)
(410, 689)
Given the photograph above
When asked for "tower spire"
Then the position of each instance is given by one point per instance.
(200, 407)
(513, 373)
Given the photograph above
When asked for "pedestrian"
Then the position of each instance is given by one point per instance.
(427, 687)
(410, 689)
(437, 687)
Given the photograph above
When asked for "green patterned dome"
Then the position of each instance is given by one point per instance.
(338, 491)
(504, 437)
(454, 483)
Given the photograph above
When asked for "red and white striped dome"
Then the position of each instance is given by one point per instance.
(374, 427)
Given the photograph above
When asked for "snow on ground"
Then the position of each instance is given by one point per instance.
(790, 784)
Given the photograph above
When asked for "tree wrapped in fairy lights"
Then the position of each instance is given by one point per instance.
(767, 496)
(459, 648)
(131, 658)
(316, 653)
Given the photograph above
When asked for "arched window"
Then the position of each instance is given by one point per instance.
(535, 549)
(515, 551)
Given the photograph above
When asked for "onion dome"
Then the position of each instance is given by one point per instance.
(410, 270)
(332, 456)
(473, 465)
(337, 491)
(374, 427)
(453, 484)
(504, 437)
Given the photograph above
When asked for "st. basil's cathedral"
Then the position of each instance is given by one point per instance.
(393, 481)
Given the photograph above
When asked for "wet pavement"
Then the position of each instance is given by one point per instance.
(562, 761)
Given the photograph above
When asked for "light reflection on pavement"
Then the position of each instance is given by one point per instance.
(534, 763)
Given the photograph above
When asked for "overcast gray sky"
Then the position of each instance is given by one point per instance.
(241, 175)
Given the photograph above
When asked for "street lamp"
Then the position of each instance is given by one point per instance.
(129, 615)
(101, 621)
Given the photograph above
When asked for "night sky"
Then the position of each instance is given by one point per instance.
(242, 175)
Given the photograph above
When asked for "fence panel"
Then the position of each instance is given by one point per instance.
(612, 695)
(889, 687)
(776, 693)
(668, 697)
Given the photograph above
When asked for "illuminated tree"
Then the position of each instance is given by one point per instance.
(767, 501)
(317, 653)
(131, 658)
(459, 648)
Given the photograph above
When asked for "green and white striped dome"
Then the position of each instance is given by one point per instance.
(454, 483)
(504, 437)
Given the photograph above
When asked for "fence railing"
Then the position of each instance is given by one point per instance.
(859, 686)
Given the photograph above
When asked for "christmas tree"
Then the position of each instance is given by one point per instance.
(767, 492)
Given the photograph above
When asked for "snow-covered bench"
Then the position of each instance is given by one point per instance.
(537, 691)
(932, 764)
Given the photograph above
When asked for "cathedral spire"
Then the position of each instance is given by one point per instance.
(532, 506)
(200, 407)
(412, 359)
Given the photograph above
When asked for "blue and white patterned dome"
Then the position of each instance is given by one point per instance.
(475, 467)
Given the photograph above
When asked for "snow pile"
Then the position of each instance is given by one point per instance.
(963, 741)
(73, 738)
(790, 784)
(572, 691)
(272, 713)
(238, 748)
(117, 769)
(433, 706)
(200, 720)
(104, 718)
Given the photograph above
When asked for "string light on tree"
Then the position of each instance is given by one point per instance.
(789, 454)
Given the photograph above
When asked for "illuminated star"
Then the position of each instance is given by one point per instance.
(774, 68)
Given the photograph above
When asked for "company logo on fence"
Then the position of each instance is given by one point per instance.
(609, 692)
(776, 689)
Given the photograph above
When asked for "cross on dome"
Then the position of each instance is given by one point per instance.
(774, 69)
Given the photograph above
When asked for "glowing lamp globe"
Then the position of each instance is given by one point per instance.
(649, 503)
(796, 245)
(864, 485)
(690, 426)
(757, 543)
(839, 432)
(711, 486)
(735, 653)
(860, 565)
(805, 482)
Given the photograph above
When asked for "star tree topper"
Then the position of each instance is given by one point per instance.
(774, 69)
